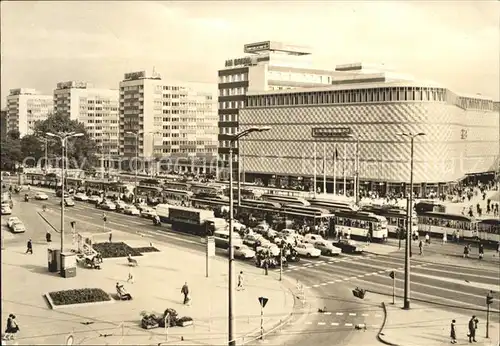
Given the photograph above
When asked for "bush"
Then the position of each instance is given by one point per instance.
(146, 249)
(114, 250)
(79, 296)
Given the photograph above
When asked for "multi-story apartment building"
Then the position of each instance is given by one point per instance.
(268, 66)
(169, 121)
(3, 123)
(97, 109)
(25, 107)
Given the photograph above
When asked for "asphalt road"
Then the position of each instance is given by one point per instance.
(328, 281)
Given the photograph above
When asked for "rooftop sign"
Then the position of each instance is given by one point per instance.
(246, 61)
(257, 47)
(72, 84)
(135, 75)
(331, 132)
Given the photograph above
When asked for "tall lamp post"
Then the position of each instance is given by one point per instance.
(409, 210)
(136, 135)
(356, 169)
(45, 142)
(63, 137)
(235, 138)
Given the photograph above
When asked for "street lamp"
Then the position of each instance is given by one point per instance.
(136, 135)
(235, 138)
(63, 136)
(45, 141)
(356, 168)
(409, 210)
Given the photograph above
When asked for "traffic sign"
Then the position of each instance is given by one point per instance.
(489, 298)
(392, 274)
(211, 246)
(73, 224)
(263, 301)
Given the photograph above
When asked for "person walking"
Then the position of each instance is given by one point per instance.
(29, 247)
(240, 281)
(12, 327)
(110, 237)
(466, 251)
(427, 239)
(445, 238)
(481, 251)
(421, 247)
(185, 292)
(130, 278)
(472, 329)
(453, 332)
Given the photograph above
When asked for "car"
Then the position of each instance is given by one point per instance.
(327, 248)
(94, 199)
(252, 239)
(271, 234)
(107, 205)
(272, 249)
(18, 227)
(6, 210)
(307, 250)
(261, 228)
(59, 193)
(131, 210)
(140, 206)
(348, 246)
(148, 213)
(120, 205)
(243, 251)
(81, 197)
(12, 220)
(41, 196)
(68, 202)
(288, 240)
(312, 238)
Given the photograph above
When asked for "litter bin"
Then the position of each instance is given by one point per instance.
(54, 260)
(68, 265)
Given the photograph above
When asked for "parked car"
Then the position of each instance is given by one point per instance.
(348, 246)
(243, 251)
(68, 202)
(140, 206)
(148, 213)
(120, 205)
(327, 248)
(312, 238)
(271, 234)
(81, 197)
(6, 210)
(251, 239)
(261, 228)
(131, 210)
(12, 220)
(41, 196)
(107, 205)
(94, 199)
(307, 250)
(271, 249)
(18, 227)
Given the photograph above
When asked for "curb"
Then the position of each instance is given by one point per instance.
(380, 335)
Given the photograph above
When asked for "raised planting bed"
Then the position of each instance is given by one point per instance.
(114, 250)
(85, 296)
(146, 249)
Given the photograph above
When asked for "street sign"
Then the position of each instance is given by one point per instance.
(392, 274)
(73, 224)
(331, 132)
(211, 246)
(263, 301)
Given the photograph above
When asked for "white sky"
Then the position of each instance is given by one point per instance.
(455, 43)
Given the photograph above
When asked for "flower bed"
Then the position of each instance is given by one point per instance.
(114, 250)
(146, 249)
(78, 296)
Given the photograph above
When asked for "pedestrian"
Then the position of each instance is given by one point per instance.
(130, 278)
(427, 239)
(240, 281)
(472, 329)
(453, 332)
(185, 292)
(110, 237)
(481, 251)
(421, 247)
(48, 237)
(466, 251)
(29, 247)
(12, 328)
(266, 266)
(445, 238)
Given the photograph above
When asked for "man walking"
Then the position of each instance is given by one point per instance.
(185, 292)
(29, 247)
(453, 332)
(472, 329)
(240, 281)
(421, 247)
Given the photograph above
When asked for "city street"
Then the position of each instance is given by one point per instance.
(327, 281)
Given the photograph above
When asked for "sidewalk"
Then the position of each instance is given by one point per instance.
(158, 280)
(427, 326)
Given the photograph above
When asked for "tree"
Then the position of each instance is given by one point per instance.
(11, 154)
(32, 147)
(80, 151)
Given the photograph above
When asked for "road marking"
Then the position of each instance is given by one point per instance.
(457, 281)
(352, 314)
(309, 322)
(348, 324)
(364, 315)
(328, 313)
(330, 282)
(334, 324)
(315, 285)
(321, 323)
(361, 275)
(345, 279)
(378, 315)
(324, 284)
(338, 280)
(307, 287)
(85, 216)
(369, 274)
(339, 313)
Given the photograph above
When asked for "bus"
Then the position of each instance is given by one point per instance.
(396, 217)
(286, 200)
(177, 197)
(437, 224)
(426, 206)
(330, 204)
(206, 190)
(190, 220)
(245, 193)
(489, 230)
(40, 179)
